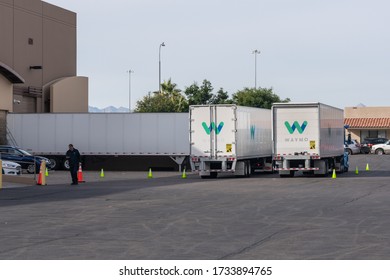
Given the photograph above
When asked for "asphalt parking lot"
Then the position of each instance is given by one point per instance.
(127, 216)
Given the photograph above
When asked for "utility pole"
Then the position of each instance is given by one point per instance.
(130, 72)
(256, 52)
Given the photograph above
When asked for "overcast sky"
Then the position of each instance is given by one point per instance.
(334, 51)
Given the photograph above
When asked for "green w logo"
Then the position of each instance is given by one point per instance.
(291, 128)
(210, 128)
(253, 130)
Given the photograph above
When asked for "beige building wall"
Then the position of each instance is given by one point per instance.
(360, 133)
(60, 37)
(367, 112)
(6, 32)
(355, 134)
(6, 97)
(36, 33)
(69, 95)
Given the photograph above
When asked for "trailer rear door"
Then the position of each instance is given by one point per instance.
(212, 131)
(296, 130)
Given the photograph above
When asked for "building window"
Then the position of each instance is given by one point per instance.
(30, 41)
(382, 134)
(373, 133)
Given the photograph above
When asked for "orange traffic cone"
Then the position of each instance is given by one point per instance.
(40, 178)
(80, 175)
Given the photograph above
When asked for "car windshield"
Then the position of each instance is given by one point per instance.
(24, 152)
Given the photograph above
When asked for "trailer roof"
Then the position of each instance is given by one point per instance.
(226, 105)
(302, 104)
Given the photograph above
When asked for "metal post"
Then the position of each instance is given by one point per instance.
(256, 52)
(159, 66)
(130, 71)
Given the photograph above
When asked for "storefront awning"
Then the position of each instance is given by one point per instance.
(367, 122)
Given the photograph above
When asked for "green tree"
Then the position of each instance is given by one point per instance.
(199, 95)
(222, 97)
(169, 99)
(257, 97)
(169, 87)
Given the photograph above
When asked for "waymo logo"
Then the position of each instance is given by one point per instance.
(253, 131)
(212, 126)
(291, 128)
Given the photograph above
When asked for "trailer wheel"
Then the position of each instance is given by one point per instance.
(53, 163)
(327, 168)
(247, 168)
(66, 165)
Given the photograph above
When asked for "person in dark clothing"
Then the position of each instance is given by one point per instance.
(73, 156)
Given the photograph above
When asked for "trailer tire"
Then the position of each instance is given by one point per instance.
(327, 168)
(66, 165)
(326, 171)
(248, 169)
(54, 163)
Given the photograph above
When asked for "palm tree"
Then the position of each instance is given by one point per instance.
(169, 88)
(169, 99)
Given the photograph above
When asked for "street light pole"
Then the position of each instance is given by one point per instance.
(130, 71)
(256, 52)
(159, 66)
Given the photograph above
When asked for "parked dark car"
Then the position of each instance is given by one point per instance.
(25, 159)
(368, 142)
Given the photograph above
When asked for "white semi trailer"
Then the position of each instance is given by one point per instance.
(229, 139)
(101, 134)
(308, 137)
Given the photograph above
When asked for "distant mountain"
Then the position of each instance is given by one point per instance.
(109, 109)
(361, 105)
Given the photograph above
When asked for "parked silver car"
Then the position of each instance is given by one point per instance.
(352, 147)
(11, 168)
(381, 149)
